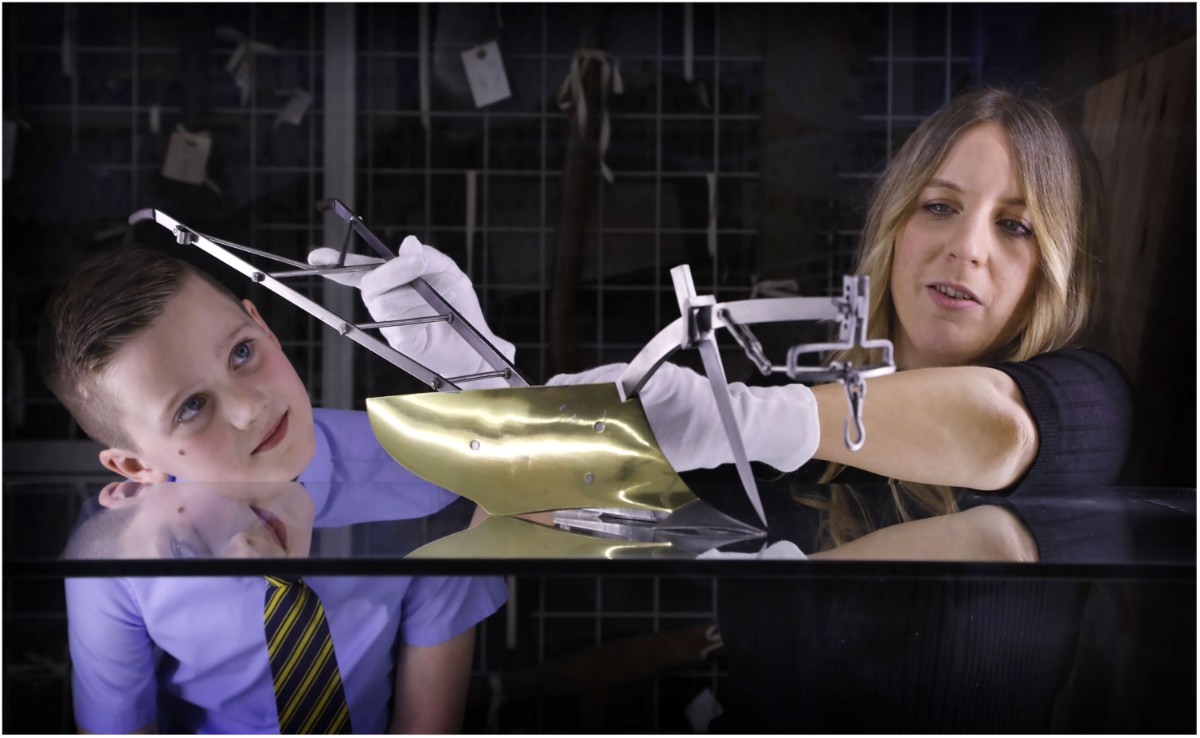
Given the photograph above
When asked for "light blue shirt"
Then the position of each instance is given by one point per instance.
(191, 652)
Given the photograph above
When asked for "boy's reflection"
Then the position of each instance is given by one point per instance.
(192, 520)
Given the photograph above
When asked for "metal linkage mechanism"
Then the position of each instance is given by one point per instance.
(702, 315)
(443, 310)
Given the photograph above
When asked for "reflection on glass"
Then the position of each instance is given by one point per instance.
(262, 520)
(190, 520)
(822, 522)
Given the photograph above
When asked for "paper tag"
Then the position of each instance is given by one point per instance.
(155, 119)
(187, 156)
(701, 711)
(10, 145)
(295, 109)
(485, 73)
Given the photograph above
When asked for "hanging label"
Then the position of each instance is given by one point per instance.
(293, 112)
(485, 73)
(155, 119)
(10, 144)
(187, 156)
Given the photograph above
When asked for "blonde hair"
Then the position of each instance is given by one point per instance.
(1062, 193)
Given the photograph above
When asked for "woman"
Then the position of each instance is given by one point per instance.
(978, 242)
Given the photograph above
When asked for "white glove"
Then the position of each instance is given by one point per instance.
(777, 550)
(387, 297)
(779, 425)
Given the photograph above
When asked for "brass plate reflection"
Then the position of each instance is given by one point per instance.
(500, 537)
(527, 449)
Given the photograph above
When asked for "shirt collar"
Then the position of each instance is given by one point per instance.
(320, 469)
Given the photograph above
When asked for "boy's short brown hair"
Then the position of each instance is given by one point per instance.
(110, 299)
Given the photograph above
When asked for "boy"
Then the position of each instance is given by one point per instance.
(178, 380)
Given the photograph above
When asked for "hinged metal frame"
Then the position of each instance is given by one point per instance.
(701, 316)
(443, 310)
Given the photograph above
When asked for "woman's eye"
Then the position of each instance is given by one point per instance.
(1016, 228)
(242, 352)
(938, 208)
(190, 409)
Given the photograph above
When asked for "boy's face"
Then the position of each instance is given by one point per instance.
(207, 395)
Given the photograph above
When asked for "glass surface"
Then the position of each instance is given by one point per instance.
(190, 528)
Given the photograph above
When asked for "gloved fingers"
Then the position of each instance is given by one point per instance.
(600, 375)
(410, 263)
(437, 261)
(325, 256)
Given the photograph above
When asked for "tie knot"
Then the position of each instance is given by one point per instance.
(280, 582)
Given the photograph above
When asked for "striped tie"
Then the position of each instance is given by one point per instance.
(308, 687)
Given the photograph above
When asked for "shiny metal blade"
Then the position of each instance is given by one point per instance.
(518, 450)
(501, 537)
(716, 378)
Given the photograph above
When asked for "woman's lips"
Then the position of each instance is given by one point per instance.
(949, 303)
(277, 434)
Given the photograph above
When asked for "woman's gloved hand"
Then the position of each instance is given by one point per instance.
(779, 425)
(387, 297)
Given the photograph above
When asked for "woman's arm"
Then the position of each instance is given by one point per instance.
(958, 426)
(986, 533)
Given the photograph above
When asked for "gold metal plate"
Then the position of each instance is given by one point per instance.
(527, 449)
(500, 537)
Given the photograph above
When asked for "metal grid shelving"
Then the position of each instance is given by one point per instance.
(410, 179)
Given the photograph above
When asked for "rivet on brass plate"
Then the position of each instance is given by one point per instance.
(474, 445)
(589, 478)
(599, 426)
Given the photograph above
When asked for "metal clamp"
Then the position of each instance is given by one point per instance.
(444, 311)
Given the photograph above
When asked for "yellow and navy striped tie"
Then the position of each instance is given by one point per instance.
(308, 687)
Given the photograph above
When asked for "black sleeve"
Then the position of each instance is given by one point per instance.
(1083, 406)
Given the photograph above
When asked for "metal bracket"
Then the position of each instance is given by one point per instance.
(443, 310)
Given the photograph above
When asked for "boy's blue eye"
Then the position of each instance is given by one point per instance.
(190, 408)
(242, 352)
(181, 550)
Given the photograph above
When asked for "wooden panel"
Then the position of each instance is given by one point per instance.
(1142, 125)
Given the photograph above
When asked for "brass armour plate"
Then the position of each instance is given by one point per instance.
(528, 449)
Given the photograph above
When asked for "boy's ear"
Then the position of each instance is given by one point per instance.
(119, 494)
(131, 466)
(253, 312)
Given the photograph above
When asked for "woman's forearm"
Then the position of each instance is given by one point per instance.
(986, 533)
(957, 426)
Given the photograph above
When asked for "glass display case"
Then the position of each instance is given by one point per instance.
(1098, 634)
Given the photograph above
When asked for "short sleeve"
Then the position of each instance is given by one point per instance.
(113, 675)
(1082, 404)
(436, 609)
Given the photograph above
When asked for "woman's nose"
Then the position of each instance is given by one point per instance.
(971, 241)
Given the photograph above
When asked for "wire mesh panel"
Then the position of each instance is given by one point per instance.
(99, 93)
(743, 142)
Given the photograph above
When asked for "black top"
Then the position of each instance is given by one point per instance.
(954, 656)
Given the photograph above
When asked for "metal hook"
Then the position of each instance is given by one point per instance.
(856, 390)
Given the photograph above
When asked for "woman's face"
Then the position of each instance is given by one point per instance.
(965, 264)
